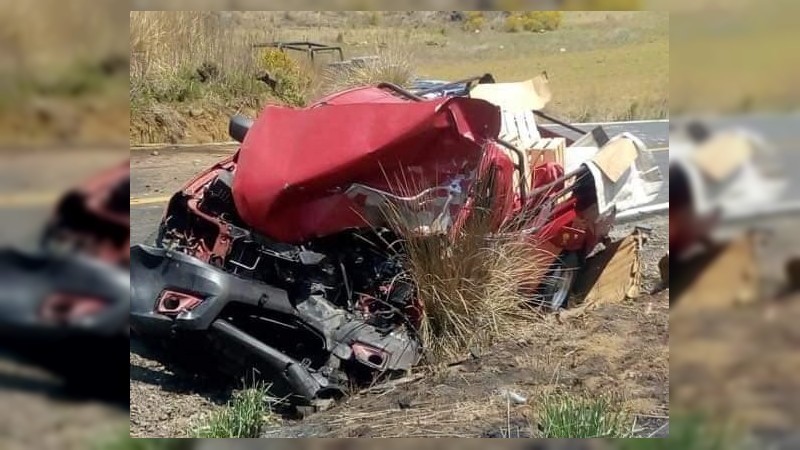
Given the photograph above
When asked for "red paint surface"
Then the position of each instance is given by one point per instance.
(296, 164)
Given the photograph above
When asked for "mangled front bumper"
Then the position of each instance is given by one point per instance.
(201, 291)
(65, 313)
(155, 271)
(37, 289)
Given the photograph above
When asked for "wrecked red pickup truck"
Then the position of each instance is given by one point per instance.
(281, 258)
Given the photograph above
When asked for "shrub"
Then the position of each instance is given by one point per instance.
(243, 417)
(474, 20)
(472, 285)
(393, 63)
(570, 417)
(178, 87)
(292, 80)
(533, 21)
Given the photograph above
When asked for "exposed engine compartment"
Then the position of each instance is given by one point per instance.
(356, 270)
(349, 283)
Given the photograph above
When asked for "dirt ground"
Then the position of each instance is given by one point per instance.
(740, 364)
(38, 413)
(42, 121)
(619, 349)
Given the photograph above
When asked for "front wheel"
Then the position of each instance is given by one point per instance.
(557, 284)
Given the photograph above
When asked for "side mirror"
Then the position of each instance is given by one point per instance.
(238, 127)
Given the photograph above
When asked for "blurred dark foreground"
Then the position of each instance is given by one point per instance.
(63, 223)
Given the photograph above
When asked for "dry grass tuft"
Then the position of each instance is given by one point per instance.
(428, 419)
(43, 38)
(393, 62)
(472, 285)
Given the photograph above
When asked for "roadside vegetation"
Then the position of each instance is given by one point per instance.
(470, 286)
(567, 416)
(245, 416)
(62, 72)
(190, 70)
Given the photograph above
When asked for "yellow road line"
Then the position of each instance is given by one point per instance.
(28, 199)
(39, 199)
(149, 200)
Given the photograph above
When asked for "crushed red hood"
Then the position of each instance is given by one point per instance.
(296, 166)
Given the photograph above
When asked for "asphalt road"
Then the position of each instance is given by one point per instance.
(31, 180)
(654, 134)
(781, 132)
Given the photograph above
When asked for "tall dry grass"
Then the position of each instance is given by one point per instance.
(45, 36)
(474, 284)
(393, 61)
(204, 63)
(63, 72)
(52, 48)
(189, 55)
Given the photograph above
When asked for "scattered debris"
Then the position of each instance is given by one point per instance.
(614, 274)
(720, 276)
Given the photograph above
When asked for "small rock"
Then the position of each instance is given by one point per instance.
(562, 50)
(195, 112)
(474, 352)
(405, 402)
(513, 397)
(154, 153)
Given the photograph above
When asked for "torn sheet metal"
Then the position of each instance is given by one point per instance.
(625, 174)
(295, 164)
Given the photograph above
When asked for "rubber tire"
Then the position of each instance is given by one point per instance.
(555, 283)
